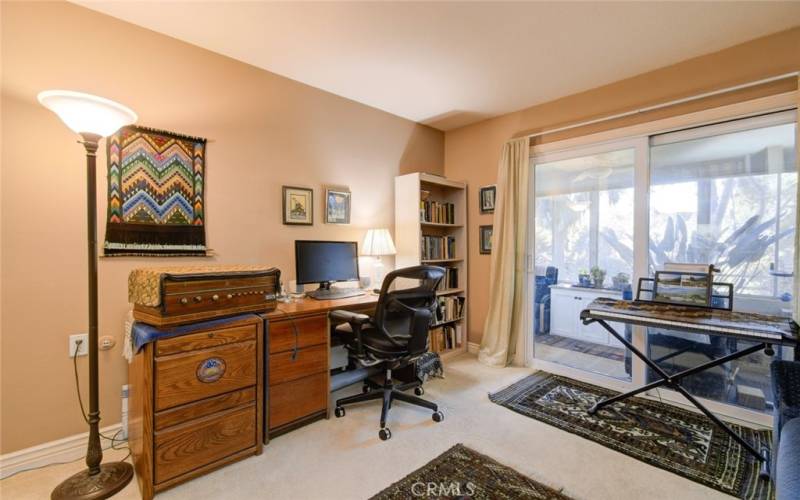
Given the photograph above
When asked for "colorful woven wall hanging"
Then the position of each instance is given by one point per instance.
(155, 193)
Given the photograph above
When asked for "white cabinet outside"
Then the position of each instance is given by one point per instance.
(566, 304)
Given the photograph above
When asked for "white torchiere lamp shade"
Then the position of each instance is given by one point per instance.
(86, 113)
(377, 243)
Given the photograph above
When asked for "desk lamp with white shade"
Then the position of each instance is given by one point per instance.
(377, 243)
(92, 118)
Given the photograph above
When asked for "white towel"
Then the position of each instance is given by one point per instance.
(127, 348)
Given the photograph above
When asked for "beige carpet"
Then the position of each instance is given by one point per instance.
(344, 459)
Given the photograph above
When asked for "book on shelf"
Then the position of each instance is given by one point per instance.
(445, 338)
(449, 309)
(435, 212)
(437, 247)
(450, 279)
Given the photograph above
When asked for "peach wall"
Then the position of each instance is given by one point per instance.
(264, 131)
(472, 152)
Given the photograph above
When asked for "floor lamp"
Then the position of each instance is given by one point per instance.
(92, 118)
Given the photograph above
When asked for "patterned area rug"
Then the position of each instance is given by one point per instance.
(464, 473)
(674, 439)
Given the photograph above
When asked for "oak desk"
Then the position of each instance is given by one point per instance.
(297, 364)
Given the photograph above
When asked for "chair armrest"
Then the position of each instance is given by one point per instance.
(786, 382)
(349, 317)
(356, 321)
(786, 393)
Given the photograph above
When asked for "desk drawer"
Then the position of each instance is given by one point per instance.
(297, 399)
(311, 360)
(203, 441)
(216, 404)
(205, 340)
(196, 375)
(310, 331)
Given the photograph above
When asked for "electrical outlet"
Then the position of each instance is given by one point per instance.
(107, 342)
(83, 350)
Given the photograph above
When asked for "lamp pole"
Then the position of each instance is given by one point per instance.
(94, 454)
(96, 481)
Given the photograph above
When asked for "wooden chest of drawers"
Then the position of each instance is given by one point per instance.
(298, 372)
(196, 403)
(297, 357)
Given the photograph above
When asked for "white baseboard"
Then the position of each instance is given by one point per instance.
(67, 449)
(473, 347)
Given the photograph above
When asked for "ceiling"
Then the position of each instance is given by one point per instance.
(448, 64)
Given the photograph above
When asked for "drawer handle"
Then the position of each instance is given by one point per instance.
(210, 370)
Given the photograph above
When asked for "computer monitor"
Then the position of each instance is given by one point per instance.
(325, 262)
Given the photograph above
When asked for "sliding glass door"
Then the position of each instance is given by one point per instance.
(726, 195)
(605, 215)
(583, 239)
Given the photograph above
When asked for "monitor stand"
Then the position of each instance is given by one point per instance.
(325, 292)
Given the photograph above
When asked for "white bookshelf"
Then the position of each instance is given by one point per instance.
(409, 229)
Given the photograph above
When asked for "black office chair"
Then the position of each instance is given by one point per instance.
(395, 337)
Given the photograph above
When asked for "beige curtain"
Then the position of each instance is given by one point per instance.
(502, 331)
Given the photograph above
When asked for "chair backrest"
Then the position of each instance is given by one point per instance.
(405, 314)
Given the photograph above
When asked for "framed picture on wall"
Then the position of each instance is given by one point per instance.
(298, 206)
(485, 234)
(337, 206)
(487, 196)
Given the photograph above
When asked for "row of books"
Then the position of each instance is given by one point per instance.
(450, 279)
(449, 308)
(439, 213)
(445, 337)
(438, 247)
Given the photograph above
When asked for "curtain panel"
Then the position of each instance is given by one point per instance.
(503, 330)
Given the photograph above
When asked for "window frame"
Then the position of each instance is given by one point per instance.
(639, 134)
(734, 125)
(594, 206)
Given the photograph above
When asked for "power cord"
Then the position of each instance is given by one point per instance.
(113, 438)
(294, 331)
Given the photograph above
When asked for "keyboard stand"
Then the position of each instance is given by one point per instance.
(762, 330)
(673, 382)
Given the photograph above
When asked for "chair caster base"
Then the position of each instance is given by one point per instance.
(437, 416)
(339, 412)
(419, 391)
(385, 434)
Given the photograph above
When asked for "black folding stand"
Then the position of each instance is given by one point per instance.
(673, 382)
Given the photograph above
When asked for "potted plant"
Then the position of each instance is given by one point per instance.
(584, 278)
(598, 276)
(620, 280)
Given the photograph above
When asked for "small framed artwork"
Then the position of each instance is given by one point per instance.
(337, 206)
(485, 235)
(298, 206)
(688, 289)
(487, 196)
